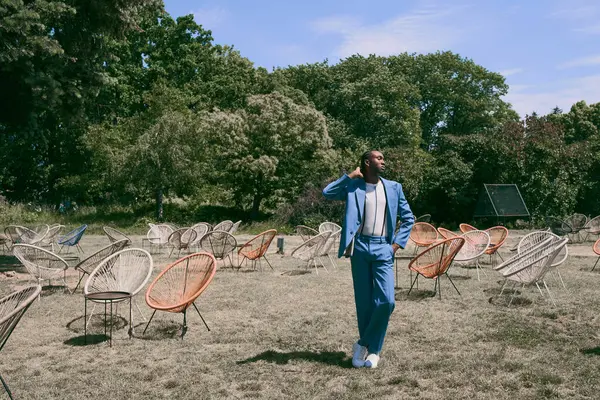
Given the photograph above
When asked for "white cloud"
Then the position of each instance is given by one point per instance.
(543, 98)
(423, 30)
(509, 72)
(210, 17)
(581, 62)
(592, 29)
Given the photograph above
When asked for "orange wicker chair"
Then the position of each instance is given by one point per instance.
(464, 228)
(177, 287)
(447, 234)
(434, 262)
(596, 250)
(256, 248)
(498, 235)
(423, 235)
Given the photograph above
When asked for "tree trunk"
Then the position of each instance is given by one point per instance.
(159, 205)
(255, 206)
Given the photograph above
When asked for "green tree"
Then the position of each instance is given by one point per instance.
(269, 151)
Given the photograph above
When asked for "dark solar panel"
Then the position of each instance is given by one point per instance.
(501, 200)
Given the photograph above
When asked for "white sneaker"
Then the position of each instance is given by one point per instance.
(372, 361)
(359, 355)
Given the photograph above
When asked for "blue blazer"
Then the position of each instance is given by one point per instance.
(354, 192)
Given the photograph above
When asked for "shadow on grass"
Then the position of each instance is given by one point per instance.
(11, 263)
(160, 330)
(86, 341)
(504, 300)
(337, 358)
(96, 323)
(415, 294)
(296, 272)
(49, 290)
(592, 351)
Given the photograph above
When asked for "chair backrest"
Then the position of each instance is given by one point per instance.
(424, 218)
(436, 259)
(13, 233)
(423, 234)
(12, 308)
(115, 235)
(531, 266)
(180, 283)
(558, 226)
(306, 232)
(329, 243)
(73, 237)
(328, 226)
(182, 238)
(127, 270)
(593, 225)
(446, 233)
(311, 248)
(235, 227)
(89, 264)
(498, 235)
(218, 243)
(52, 234)
(466, 228)
(201, 229)
(37, 260)
(596, 247)
(256, 247)
(30, 236)
(223, 226)
(532, 239)
(159, 234)
(476, 243)
(577, 221)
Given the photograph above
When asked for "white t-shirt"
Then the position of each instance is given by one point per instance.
(375, 210)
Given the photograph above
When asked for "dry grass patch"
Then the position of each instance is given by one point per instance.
(288, 333)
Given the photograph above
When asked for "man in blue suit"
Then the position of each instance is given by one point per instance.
(372, 206)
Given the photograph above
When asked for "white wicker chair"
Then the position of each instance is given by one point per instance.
(12, 308)
(326, 248)
(127, 271)
(530, 267)
(41, 264)
(235, 227)
(87, 266)
(220, 244)
(182, 239)
(51, 237)
(115, 235)
(309, 250)
(532, 239)
(158, 235)
(223, 226)
(329, 226)
(306, 232)
(201, 229)
(476, 243)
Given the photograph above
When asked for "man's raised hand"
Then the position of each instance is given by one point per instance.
(356, 173)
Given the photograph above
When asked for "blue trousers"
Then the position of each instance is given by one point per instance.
(373, 277)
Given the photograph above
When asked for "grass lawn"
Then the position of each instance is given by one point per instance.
(287, 334)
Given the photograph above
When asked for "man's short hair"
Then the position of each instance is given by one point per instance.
(363, 159)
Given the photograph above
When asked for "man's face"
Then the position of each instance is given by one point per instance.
(376, 163)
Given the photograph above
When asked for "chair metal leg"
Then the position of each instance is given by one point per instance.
(184, 328)
(152, 316)
(413, 283)
(201, 317)
(6, 388)
(332, 262)
(549, 294)
(450, 279)
(267, 260)
(596, 263)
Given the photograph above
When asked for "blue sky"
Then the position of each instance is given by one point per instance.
(549, 50)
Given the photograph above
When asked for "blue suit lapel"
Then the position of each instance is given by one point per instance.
(389, 197)
(360, 195)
